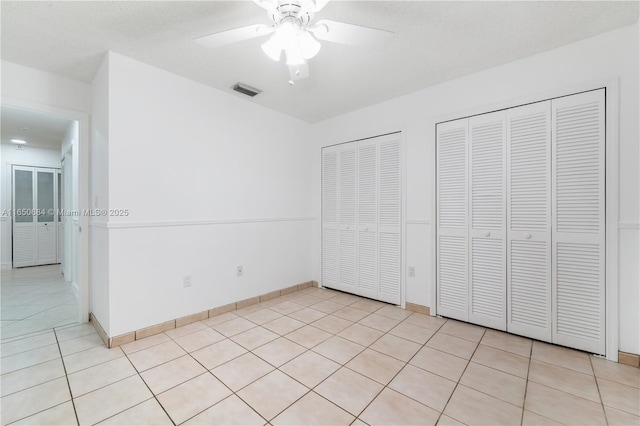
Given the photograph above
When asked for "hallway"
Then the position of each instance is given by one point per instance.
(35, 299)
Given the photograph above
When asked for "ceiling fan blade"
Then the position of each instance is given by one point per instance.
(298, 72)
(352, 35)
(319, 4)
(232, 36)
(265, 4)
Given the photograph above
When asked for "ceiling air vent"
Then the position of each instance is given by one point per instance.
(246, 90)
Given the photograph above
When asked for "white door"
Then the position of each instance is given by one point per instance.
(46, 241)
(452, 255)
(24, 220)
(487, 241)
(529, 220)
(347, 193)
(368, 261)
(330, 245)
(362, 218)
(578, 277)
(390, 218)
(35, 222)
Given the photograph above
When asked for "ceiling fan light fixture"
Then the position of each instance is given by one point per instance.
(273, 47)
(294, 56)
(309, 45)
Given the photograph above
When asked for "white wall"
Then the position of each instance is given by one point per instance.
(99, 295)
(70, 201)
(211, 181)
(28, 156)
(28, 84)
(610, 55)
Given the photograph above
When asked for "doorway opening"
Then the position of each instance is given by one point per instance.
(40, 222)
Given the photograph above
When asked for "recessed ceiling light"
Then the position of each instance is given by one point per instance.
(18, 141)
(25, 129)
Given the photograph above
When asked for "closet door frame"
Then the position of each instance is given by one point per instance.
(612, 224)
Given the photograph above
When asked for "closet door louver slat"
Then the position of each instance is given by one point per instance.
(579, 221)
(529, 220)
(452, 216)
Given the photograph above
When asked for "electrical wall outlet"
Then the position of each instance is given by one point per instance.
(412, 271)
(239, 271)
(186, 281)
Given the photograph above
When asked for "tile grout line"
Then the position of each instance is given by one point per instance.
(595, 378)
(340, 365)
(307, 350)
(461, 375)
(153, 394)
(403, 367)
(233, 393)
(66, 376)
(526, 384)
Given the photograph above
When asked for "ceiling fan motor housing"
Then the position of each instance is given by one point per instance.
(300, 10)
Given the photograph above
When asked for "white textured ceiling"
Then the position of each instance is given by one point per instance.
(434, 42)
(42, 130)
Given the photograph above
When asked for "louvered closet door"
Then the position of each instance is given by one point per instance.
(368, 218)
(578, 277)
(389, 205)
(24, 224)
(529, 220)
(330, 236)
(347, 217)
(452, 283)
(487, 187)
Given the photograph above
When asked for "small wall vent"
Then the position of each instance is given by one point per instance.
(245, 89)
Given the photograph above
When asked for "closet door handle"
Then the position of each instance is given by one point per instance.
(487, 234)
(527, 236)
(366, 229)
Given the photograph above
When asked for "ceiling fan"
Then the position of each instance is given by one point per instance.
(293, 33)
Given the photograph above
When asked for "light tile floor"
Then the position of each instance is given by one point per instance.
(312, 357)
(35, 299)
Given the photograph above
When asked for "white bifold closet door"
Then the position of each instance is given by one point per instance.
(347, 193)
(578, 277)
(361, 224)
(389, 218)
(35, 226)
(368, 266)
(471, 219)
(330, 245)
(521, 220)
(24, 221)
(487, 240)
(529, 220)
(452, 219)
